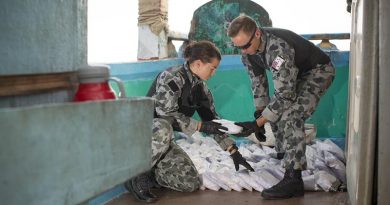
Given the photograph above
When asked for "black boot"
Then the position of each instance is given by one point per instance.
(139, 186)
(152, 180)
(290, 186)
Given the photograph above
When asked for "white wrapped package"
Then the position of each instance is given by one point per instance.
(208, 157)
(209, 184)
(267, 180)
(237, 179)
(246, 153)
(269, 151)
(255, 148)
(257, 180)
(326, 181)
(244, 175)
(232, 128)
(306, 172)
(276, 171)
(320, 164)
(212, 176)
(309, 183)
(227, 178)
(337, 167)
(328, 145)
(257, 158)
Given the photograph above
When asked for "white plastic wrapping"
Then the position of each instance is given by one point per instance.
(232, 128)
(326, 181)
(215, 166)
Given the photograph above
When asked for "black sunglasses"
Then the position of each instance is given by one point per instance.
(246, 46)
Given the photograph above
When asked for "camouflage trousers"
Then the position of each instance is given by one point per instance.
(172, 167)
(289, 129)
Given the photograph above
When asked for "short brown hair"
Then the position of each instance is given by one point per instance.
(242, 22)
(202, 50)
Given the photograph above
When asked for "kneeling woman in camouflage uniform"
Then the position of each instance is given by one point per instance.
(179, 91)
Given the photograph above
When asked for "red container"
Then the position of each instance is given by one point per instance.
(94, 84)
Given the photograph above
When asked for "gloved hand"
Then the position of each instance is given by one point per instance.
(238, 159)
(210, 127)
(259, 133)
(248, 128)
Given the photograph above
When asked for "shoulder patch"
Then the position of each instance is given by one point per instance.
(278, 61)
(173, 86)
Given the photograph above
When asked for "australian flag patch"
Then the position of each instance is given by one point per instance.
(278, 61)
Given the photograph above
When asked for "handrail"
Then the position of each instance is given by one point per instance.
(327, 36)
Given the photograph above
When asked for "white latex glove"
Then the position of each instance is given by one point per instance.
(232, 128)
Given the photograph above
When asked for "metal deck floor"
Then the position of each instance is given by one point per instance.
(229, 198)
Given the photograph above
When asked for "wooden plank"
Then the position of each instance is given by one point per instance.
(30, 84)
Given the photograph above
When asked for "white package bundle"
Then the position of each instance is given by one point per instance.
(309, 183)
(207, 183)
(237, 179)
(232, 128)
(228, 179)
(267, 180)
(212, 176)
(337, 167)
(326, 181)
(249, 180)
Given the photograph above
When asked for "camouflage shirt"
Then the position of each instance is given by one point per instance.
(169, 90)
(278, 56)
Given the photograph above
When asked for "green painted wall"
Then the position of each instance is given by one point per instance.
(331, 114)
(233, 98)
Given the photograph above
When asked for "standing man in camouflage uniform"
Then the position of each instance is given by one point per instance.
(179, 92)
(301, 73)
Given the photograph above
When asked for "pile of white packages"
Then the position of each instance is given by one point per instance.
(325, 165)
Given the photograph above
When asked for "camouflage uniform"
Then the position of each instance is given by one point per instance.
(178, 94)
(301, 73)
